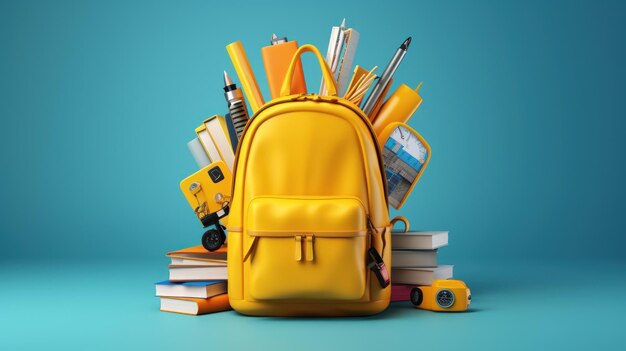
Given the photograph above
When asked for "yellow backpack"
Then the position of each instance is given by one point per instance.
(308, 202)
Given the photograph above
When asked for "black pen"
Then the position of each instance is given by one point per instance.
(380, 86)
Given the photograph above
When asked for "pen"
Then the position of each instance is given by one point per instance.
(236, 105)
(385, 77)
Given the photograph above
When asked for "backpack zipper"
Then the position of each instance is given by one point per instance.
(308, 256)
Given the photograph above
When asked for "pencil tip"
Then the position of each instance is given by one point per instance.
(274, 36)
(343, 23)
(406, 43)
(418, 87)
(227, 80)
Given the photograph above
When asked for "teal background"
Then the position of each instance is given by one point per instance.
(522, 108)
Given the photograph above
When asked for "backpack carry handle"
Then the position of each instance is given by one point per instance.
(331, 85)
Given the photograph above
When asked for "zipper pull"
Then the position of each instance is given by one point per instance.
(309, 248)
(298, 252)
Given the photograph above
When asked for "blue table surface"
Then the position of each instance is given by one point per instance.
(516, 305)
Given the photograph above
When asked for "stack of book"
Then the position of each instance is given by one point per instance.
(414, 261)
(197, 282)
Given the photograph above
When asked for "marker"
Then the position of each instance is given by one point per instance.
(386, 77)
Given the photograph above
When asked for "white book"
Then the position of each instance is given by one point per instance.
(195, 306)
(420, 276)
(208, 144)
(200, 290)
(179, 306)
(413, 258)
(214, 137)
(180, 261)
(419, 240)
(218, 129)
(197, 273)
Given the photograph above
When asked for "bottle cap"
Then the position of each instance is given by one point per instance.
(276, 40)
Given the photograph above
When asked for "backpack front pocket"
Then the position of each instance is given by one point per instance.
(306, 248)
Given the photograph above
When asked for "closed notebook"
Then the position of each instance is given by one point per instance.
(193, 306)
(197, 273)
(413, 258)
(176, 261)
(200, 290)
(207, 143)
(419, 240)
(420, 276)
(201, 254)
(215, 139)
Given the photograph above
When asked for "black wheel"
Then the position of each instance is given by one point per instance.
(417, 296)
(213, 239)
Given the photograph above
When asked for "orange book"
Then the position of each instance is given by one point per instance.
(195, 307)
(201, 254)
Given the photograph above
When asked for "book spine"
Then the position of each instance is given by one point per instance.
(214, 304)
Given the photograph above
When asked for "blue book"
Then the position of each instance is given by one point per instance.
(199, 290)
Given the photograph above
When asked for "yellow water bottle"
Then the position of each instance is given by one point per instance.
(400, 106)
